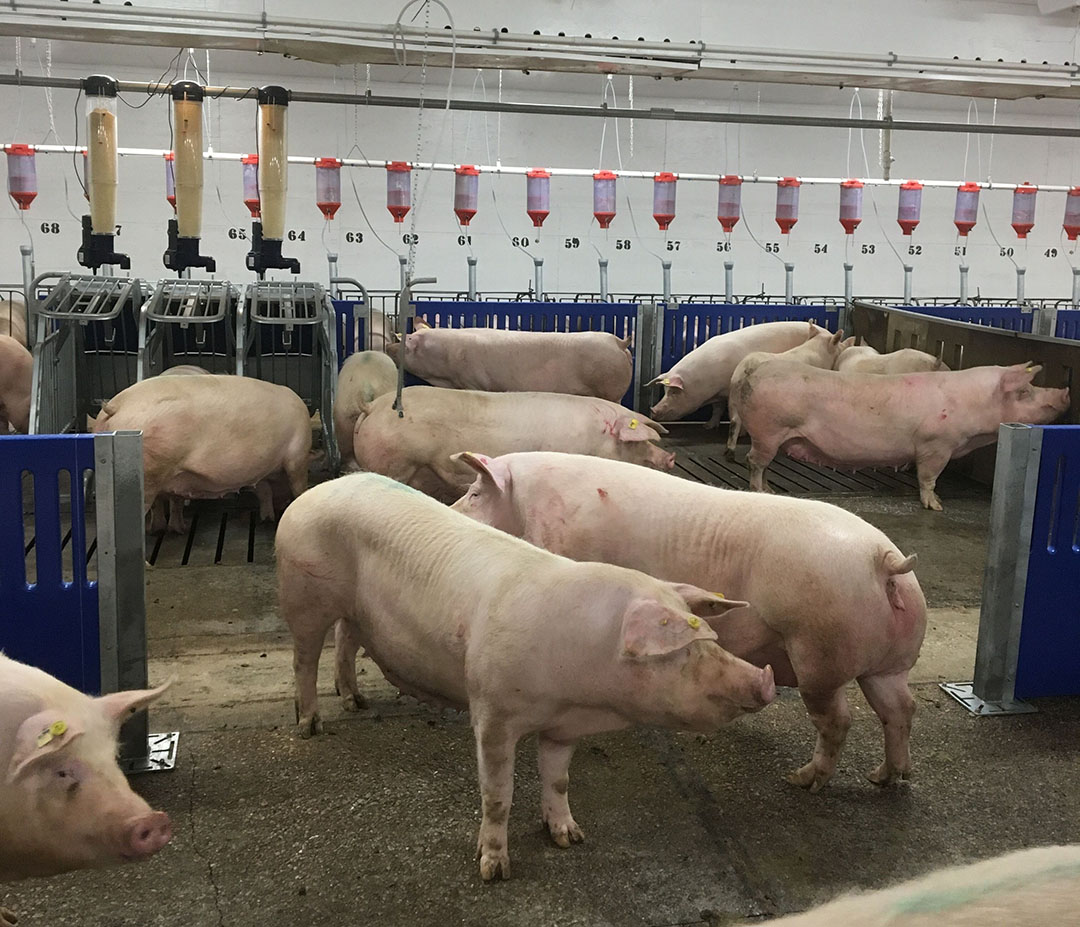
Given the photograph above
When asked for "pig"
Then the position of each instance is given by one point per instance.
(13, 319)
(207, 436)
(185, 370)
(16, 385)
(832, 599)
(703, 376)
(581, 363)
(64, 803)
(459, 614)
(438, 423)
(865, 359)
(1027, 888)
(363, 377)
(853, 420)
(821, 349)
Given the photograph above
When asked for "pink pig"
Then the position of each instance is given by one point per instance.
(581, 363)
(64, 803)
(416, 449)
(16, 374)
(457, 613)
(704, 375)
(852, 420)
(831, 598)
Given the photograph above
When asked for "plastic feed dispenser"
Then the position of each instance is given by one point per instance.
(851, 192)
(663, 199)
(909, 206)
(398, 189)
(466, 192)
(328, 186)
(729, 201)
(251, 183)
(1071, 224)
(787, 203)
(538, 195)
(967, 207)
(22, 174)
(603, 197)
(1023, 210)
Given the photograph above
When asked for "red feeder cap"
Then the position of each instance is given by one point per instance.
(464, 215)
(398, 166)
(537, 172)
(664, 177)
(604, 218)
(789, 182)
(327, 162)
(467, 169)
(170, 156)
(18, 149)
(328, 209)
(731, 180)
(250, 159)
(605, 175)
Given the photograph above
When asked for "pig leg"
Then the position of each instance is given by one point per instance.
(495, 745)
(346, 646)
(554, 760)
(891, 699)
(734, 430)
(297, 472)
(7, 918)
(264, 492)
(157, 519)
(717, 415)
(299, 600)
(928, 467)
(177, 522)
(758, 460)
(830, 714)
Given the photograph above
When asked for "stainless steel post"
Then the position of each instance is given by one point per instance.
(844, 320)
(729, 277)
(27, 252)
(907, 284)
(472, 277)
(789, 281)
(963, 284)
(1076, 288)
(403, 269)
(331, 260)
(666, 265)
(603, 280)
(1020, 272)
(538, 278)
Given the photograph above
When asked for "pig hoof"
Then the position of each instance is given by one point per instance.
(7, 918)
(565, 832)
(729, 453)
(353, 702)
(494, 865)
(809, 777)
(884, 776)
(309, 726)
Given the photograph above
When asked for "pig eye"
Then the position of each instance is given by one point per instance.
(67, 780)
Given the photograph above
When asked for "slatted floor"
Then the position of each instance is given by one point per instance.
(707, 464)
(222, 531)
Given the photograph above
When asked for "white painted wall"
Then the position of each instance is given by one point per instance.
(567, 142)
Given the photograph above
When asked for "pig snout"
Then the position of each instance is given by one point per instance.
(766, 693)
(146, 835)
(660, 459)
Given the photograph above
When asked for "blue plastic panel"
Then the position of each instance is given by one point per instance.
(1049, 658)
(1068, 324)
(1007, 317)
(690, 325)
(49, 623)
(351, 331)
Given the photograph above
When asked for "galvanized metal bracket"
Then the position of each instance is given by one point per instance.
(161, 750)
(964, 693)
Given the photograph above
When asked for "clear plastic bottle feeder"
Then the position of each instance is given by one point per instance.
(729, 201)
(466, 192)
(1071, 224)
(850, 205)
(787, 203)
(328, 186)
(603, 197)
(187, 166)
(101, 143)
(398, 189)
(251, 183)
(1023, 210)
(170, 178)
(22, 174)
(909, 206)
(85, 174)
(663, 199)
(538, 195)
(967, 207)
(273, 159)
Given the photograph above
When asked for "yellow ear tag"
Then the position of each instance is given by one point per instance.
(663, 621)
(666, 381)
(719, 595)
(44, 737)
(58, 728)
(1029, 369)
(633, 423)
(693, 621)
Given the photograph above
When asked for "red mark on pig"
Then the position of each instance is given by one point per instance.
(602, 493)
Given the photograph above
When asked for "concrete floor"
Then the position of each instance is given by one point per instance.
(375, 822)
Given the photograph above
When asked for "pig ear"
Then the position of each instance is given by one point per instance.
(651, 629)
(119, 706)
(38, 738)
(1018, 376)
(419, 323)
(671, 381)
(634, 429)
(847, 342)
(491, 471)
(838, 337)
(705, 604)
